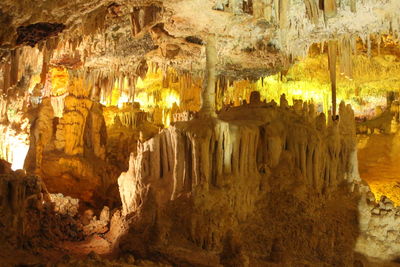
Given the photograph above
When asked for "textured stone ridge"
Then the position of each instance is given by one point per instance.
(204, 181)
(379, 225)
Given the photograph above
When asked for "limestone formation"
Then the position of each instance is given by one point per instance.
(228, 164)
(199, 133)
(208, 92)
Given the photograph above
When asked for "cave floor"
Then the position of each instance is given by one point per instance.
(93, 243)
(379, 164)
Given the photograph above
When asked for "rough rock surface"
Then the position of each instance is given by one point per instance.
(204, 186)
(257, 185)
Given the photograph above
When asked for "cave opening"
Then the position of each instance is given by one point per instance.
(200, 133)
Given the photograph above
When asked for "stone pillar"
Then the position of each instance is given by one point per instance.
(208, 91)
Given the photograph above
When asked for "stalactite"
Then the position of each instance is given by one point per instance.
(142, 17)
(353, 6)
(262, 9)
(354, 45)
(47, 54)
(7, 71)
(330, 8)
(312, 10)
(379, 41)
(15, 58)
(276, 9)
(133, 91)
(369, 46)
(57, 102)
(283, 13)
(3, 108)
(345, 53)
(332, 53)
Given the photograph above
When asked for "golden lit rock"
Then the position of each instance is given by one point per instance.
(199, 133)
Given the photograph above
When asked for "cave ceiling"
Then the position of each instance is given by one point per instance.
(252, 42)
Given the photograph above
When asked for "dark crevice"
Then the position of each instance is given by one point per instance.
(194, 40)
(34, 33)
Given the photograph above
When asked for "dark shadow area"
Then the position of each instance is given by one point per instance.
(34, 33)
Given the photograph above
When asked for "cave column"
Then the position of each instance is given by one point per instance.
(332, 55)
(208, 91)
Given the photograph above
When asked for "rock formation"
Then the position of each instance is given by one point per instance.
(203, 179)
(199, 133)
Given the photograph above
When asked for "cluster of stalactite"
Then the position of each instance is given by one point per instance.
(71, 49)
(72, 52)
(277, 10)
(145, 17)
(315, 21)
(131, 117)
(17, 64)
(102, 83)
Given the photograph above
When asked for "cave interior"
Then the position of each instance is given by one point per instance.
(230, 133)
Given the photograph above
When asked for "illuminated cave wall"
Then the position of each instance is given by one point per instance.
(18, 76)
(365, 86)
(77, 142)
(162, 92)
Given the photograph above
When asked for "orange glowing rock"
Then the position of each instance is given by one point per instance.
(59, 81)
